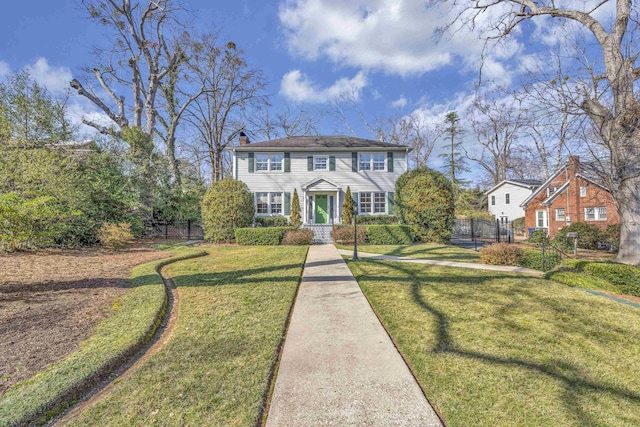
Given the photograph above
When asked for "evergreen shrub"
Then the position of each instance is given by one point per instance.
(226, 205)
(260, 236)
(389, 234)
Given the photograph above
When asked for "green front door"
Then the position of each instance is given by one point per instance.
(321, 209)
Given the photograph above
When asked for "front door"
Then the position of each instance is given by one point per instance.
(321, 209)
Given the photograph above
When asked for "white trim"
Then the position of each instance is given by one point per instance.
(372, 162)
(321, 156)
(508, 181)
(542, 187)
(268, 193)
(268, 170)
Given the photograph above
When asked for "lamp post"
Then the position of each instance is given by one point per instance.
(355, 231)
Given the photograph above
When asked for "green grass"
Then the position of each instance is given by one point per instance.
(423, 250)
(135, 319)
(497, 349)
(215, 368)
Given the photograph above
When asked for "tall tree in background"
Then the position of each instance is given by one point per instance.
(495, 124)
(231, 88)
(30, 114)
(454, 160)
(609, 76)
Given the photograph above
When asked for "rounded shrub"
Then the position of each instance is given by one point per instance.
(425, 202)
(226, 205)
(501, 254)
(588, 236)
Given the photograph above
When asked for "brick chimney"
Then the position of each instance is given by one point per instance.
(244, 139)
(574, 165)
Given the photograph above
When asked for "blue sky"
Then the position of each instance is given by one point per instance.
(311, 51)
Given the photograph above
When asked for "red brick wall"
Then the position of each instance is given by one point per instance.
(572, 203)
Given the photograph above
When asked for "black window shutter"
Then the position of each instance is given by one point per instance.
(287, 162)
(251, 162)
(390, 161)
(309, 163)
(332, 163)
(354, 162)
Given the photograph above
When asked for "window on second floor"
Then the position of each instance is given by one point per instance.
(321, 163)
(507, 198)
(269, 162)
(493, 200)
(560, 214)
(372, 162)
(583, 191)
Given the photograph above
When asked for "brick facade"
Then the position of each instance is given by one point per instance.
(580, 199)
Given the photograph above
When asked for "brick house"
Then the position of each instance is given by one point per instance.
(572, 194)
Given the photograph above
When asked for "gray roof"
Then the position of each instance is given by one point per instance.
(321, 143)
(527, 181)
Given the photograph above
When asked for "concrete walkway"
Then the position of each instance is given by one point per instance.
(339, 366)
(471, 265)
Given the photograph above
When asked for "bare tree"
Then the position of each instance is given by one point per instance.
(287, 122)
(495, 124)
(231, 88)
(138, 61)
(418, 133)
(610, 101)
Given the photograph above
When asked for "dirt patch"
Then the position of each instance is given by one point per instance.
(50, 301)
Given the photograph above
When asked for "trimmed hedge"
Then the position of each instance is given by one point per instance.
(377, 220)
(298, 237)
(117, 338)
(502, 254)
(345, 234)
(573, 279)
(261, 236)
(625, 278)
(272, 221)
(389, 234)
(532, 258)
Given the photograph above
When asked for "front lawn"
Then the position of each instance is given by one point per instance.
(214, 370)
(423, 250)
(496, 349)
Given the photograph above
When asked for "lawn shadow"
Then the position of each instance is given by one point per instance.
(573, 377)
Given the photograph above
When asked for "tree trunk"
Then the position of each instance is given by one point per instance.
(628, 197)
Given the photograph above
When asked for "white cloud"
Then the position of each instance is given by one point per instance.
(56, 79)
(398, 37)
(400, 102)
(297, 87)
(4, 69)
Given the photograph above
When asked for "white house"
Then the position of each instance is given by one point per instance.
(320, 168)
(505, 198)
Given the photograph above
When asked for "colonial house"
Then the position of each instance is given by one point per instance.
(572, 194)
(320, 168)
(504, 199)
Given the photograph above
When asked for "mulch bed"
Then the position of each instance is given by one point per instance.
(51, 300)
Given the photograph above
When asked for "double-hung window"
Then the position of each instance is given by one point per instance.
(493, 200)
(269, 162)
(372, 162)
(542, 220)
(507, 198)
(269, 203)
(560, 214)
(595, 214)
(321, 163)
(583, 191)
(372, 203)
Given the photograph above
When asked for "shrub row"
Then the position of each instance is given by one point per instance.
(115, 339)
(392, 234)
(272, 221)
(625, 278)
(508, 254)
(261, 236)
(588, 236)
(377, 220)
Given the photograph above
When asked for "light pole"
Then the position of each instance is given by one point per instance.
(355, 231)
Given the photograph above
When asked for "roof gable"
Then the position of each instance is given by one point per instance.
(524, 183)
(320, 184)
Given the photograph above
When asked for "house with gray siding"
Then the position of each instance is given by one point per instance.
(320, 168)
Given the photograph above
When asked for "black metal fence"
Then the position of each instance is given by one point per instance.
(190, 230)
(483, 229)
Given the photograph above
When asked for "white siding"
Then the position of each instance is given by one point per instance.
(517, 195)
(263, 181)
